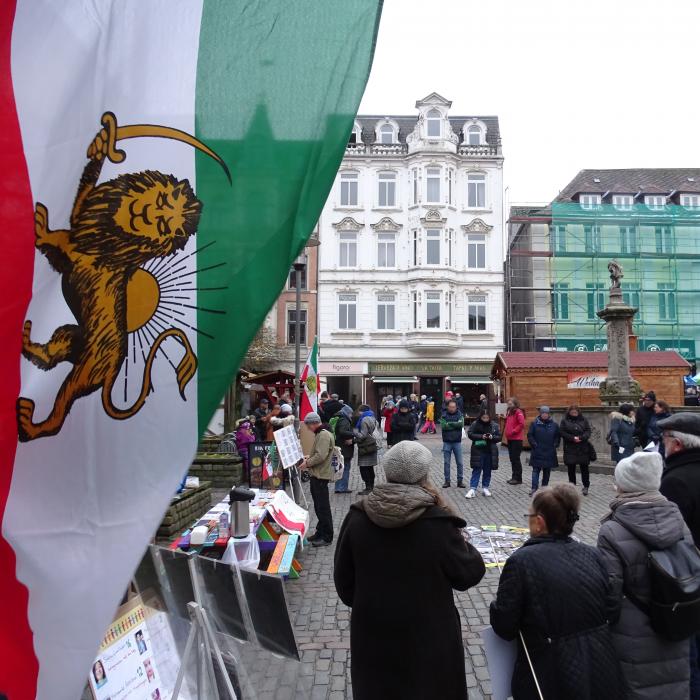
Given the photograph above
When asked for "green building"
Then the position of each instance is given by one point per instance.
(557, 275)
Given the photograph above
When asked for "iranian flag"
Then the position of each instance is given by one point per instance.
(163, 163)
(309, 381)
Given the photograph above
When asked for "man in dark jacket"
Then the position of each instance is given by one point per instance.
(544, 439)
(680, 483)
(407, 644)
(260, 425)
(330, 409)
(403, 423)
(643, 418)
(344, 435)
(451, 423)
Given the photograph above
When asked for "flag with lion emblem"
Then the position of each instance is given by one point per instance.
(164, 162)
(309, 380)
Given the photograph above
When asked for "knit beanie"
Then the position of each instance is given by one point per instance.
(285, 409)
(639, 472)
(312, 417)
(544, 409)
(407, 463)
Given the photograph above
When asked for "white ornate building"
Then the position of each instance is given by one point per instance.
(411, 257)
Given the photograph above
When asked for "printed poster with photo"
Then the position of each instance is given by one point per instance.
(125, 667)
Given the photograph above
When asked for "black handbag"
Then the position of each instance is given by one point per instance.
(592, 454)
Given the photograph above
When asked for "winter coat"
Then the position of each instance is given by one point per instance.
(423, 407)
(680, 483)
(460, 403)
(622, 434)
(643, 416)
(261, 424)
(570, 428)
(387, 414)
(654, 433)
(451, 425)
(278, 422)
(405, 631)
(414, 407)
(243, 438)
(330, 409)
(483, 405)
(319, 461)
(430, 411)
(342, 429)
(476, 431)
(653, 666)
(555, 590)
(515, 425)
(366, 457)
(403, 426)
(543, 437)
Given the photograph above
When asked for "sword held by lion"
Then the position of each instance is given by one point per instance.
(116, 227)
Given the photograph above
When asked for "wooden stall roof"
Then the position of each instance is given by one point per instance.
(584, 360)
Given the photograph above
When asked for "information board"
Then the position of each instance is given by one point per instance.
(288, 446)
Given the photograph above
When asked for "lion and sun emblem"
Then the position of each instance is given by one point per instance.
(112, 260)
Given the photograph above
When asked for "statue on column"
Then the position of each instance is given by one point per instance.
(616, 274)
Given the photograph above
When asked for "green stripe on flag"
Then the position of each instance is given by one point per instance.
(278, 86)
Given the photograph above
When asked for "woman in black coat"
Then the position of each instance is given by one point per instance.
(403, 423)
(575, 431)
(555, 592)
(400, 554)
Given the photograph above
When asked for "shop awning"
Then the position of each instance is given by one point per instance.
(394, 380)
(471, 380)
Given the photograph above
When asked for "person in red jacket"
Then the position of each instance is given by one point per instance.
(514, 433)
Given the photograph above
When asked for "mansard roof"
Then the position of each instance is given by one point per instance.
(407, 124)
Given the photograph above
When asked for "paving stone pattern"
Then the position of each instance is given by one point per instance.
(322, 621)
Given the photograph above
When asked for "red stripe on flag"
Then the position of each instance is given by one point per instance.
(18, 666)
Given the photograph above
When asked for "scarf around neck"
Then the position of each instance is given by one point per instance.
(630, 497)
(363, 415)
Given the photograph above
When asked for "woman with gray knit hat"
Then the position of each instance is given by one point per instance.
(640, 520)
(400, 554)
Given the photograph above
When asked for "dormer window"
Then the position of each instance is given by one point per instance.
(690, 201)
(474, 135)
(623, 201)
(386, 134)
(655, 201)
(433, 123)
(589, 201)
(355, 135)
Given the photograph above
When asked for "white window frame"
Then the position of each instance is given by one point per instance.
(655, 201)
(433, 234)
(667, 300)
(589, 201)
(347, 311)
(450, 185)
(347, 248)
(663, 240)
(478, 302)
(592, 241)
(475, 130)
(415, 249)
(348, 178)
(628, 239)
(431, 298)
(624, 202)
(433, 174)
(414, 305)
(386, 185)
(385, 129)
(386, 250)
(450, 246)
(415, 190)
(431, 117)
(559, 238)
(690, 201)
(476, 191)
(386, 308)
(476, 243)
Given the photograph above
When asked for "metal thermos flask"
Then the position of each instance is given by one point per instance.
(240, 499)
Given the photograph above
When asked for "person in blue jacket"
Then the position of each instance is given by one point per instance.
(544, 438)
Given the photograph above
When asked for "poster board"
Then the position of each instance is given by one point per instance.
(306, 437)
(125, 667)
(501, 656)
(258, 454)
(288, 446)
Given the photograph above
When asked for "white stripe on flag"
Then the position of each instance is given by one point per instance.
(84, 502)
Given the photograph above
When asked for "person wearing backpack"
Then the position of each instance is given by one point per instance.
(318, 464)
(344, 435)
(367, 447)
(623, 430)
(680, 483)
(642, 520)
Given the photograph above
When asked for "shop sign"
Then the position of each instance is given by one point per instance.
(585, 380)
(444, 368)
(342, 368)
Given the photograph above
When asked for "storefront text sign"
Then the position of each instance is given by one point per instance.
(325, 368)
(414, 368)
(583, 380)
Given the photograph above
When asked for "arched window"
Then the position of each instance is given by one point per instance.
(433, 123)
(355, 135)
(386, 134)
(474, 135)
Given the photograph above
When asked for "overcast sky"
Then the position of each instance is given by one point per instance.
(594, 84)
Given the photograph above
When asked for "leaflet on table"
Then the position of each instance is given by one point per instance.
(125, 667)
(496, 543)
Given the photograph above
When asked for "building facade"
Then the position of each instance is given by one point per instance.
(557, 276)
(411, 257)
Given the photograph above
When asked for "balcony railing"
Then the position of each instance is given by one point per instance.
(481, 150)
(376, 149)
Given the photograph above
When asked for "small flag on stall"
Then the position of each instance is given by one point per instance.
(309, 382)
(162, 165)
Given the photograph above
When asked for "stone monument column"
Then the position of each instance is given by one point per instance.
(619, 387)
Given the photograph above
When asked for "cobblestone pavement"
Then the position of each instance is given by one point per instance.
(322, 621)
